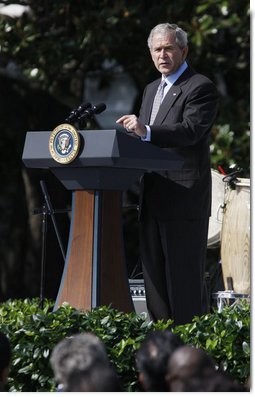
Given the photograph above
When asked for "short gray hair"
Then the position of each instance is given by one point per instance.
(77, 353)
(165, 28)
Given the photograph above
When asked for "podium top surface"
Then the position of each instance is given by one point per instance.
(101, 148)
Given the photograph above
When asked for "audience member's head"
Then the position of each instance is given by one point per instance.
(187, 363)
(77, 355)
(215, 381)
(97, 378)
(222, 382)
(152, 358)
(5, 359)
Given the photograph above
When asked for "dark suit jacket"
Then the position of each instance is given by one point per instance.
(183, 123)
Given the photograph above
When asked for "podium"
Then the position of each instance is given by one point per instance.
(108, 162)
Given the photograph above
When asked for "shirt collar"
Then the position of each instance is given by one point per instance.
(171, 79)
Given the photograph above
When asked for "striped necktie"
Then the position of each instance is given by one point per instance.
(157, 100)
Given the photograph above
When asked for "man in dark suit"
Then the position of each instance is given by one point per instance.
(177, 112)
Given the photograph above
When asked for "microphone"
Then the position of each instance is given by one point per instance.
(89, 112)
(76, 113)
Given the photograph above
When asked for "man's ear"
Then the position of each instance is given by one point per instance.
(185, 53)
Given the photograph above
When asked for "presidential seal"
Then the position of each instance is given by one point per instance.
(64, 143)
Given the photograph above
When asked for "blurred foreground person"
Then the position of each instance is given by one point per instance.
(186, 363)
(80, 363)
(152, 358)
(97, 378)
(220, 382)
(5, 359)
(190, 369)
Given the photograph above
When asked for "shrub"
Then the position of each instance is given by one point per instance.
(34, 332)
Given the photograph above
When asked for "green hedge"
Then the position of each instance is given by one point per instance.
(34, 332)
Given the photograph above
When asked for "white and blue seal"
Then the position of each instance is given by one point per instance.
(64, 143)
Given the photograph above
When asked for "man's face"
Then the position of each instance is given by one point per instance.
(166, 54)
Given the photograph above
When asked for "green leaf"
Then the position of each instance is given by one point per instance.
(46, 353)
(246, 348)
(105, 320)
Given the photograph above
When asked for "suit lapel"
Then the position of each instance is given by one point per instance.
(167, 103)
(172, 95)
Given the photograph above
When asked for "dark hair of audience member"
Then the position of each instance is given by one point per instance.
(152, 358)
(185, 363)
(98, 378)
(216, 381)
(5, 359)
(191, 369)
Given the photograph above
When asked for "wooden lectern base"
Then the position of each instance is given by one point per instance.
(95, 272)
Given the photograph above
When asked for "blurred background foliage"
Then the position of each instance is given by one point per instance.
(45, 54)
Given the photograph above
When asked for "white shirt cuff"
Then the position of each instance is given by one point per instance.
(147, 137)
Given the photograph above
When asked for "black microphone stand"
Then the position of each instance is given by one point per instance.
(89, 113)
(46, 210)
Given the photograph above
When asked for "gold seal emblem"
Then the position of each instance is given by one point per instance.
(64, 143)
